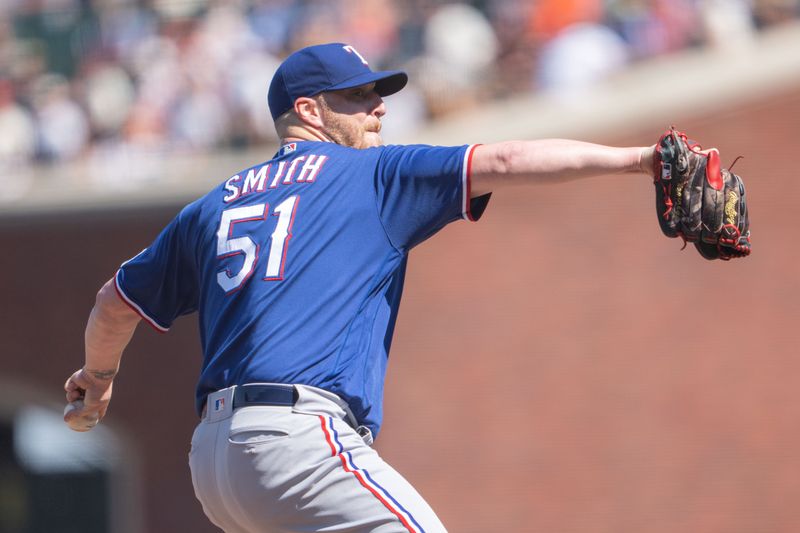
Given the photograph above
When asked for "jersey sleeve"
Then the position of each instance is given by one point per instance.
(160, 282)
(420, 189)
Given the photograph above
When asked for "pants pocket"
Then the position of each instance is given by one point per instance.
(257, 435)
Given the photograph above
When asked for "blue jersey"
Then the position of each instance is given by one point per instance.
(296, 265)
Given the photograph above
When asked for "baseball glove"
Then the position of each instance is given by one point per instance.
(697, 200)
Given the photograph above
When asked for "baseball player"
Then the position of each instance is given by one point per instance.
(295, 266)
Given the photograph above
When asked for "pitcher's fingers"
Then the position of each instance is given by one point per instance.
(75, 381)
(73, 390)
(74, 395)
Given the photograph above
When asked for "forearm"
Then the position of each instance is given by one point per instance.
(551, 160)
(109, 330)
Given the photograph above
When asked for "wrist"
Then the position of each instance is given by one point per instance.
(646, 155)
(100, 375)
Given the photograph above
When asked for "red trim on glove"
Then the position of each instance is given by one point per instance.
(713, 172)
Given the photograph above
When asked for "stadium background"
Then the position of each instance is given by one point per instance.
(532, 384)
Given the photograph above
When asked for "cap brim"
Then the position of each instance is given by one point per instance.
(386, 82)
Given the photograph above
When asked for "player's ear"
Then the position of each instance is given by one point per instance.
(308, 111)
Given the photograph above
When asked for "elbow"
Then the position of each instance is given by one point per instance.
(496, 165)
(107, 294)
(507, 158)
(110, 304)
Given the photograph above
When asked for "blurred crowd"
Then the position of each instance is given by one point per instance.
(121, 80)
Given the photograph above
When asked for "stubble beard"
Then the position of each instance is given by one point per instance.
(347, 133)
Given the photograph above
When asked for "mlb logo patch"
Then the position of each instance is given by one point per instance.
(219, 404)
(288, 148)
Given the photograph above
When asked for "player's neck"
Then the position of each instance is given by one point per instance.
(299, 133)
(294, 139)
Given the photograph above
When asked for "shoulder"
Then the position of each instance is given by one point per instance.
(421, 150)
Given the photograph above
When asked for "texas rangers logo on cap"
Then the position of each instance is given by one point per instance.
(352, 50)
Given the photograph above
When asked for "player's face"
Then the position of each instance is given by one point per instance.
(352, 117)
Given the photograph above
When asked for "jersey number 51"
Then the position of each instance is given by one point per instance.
(229, 246)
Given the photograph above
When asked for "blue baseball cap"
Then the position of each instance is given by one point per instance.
(326, 67)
